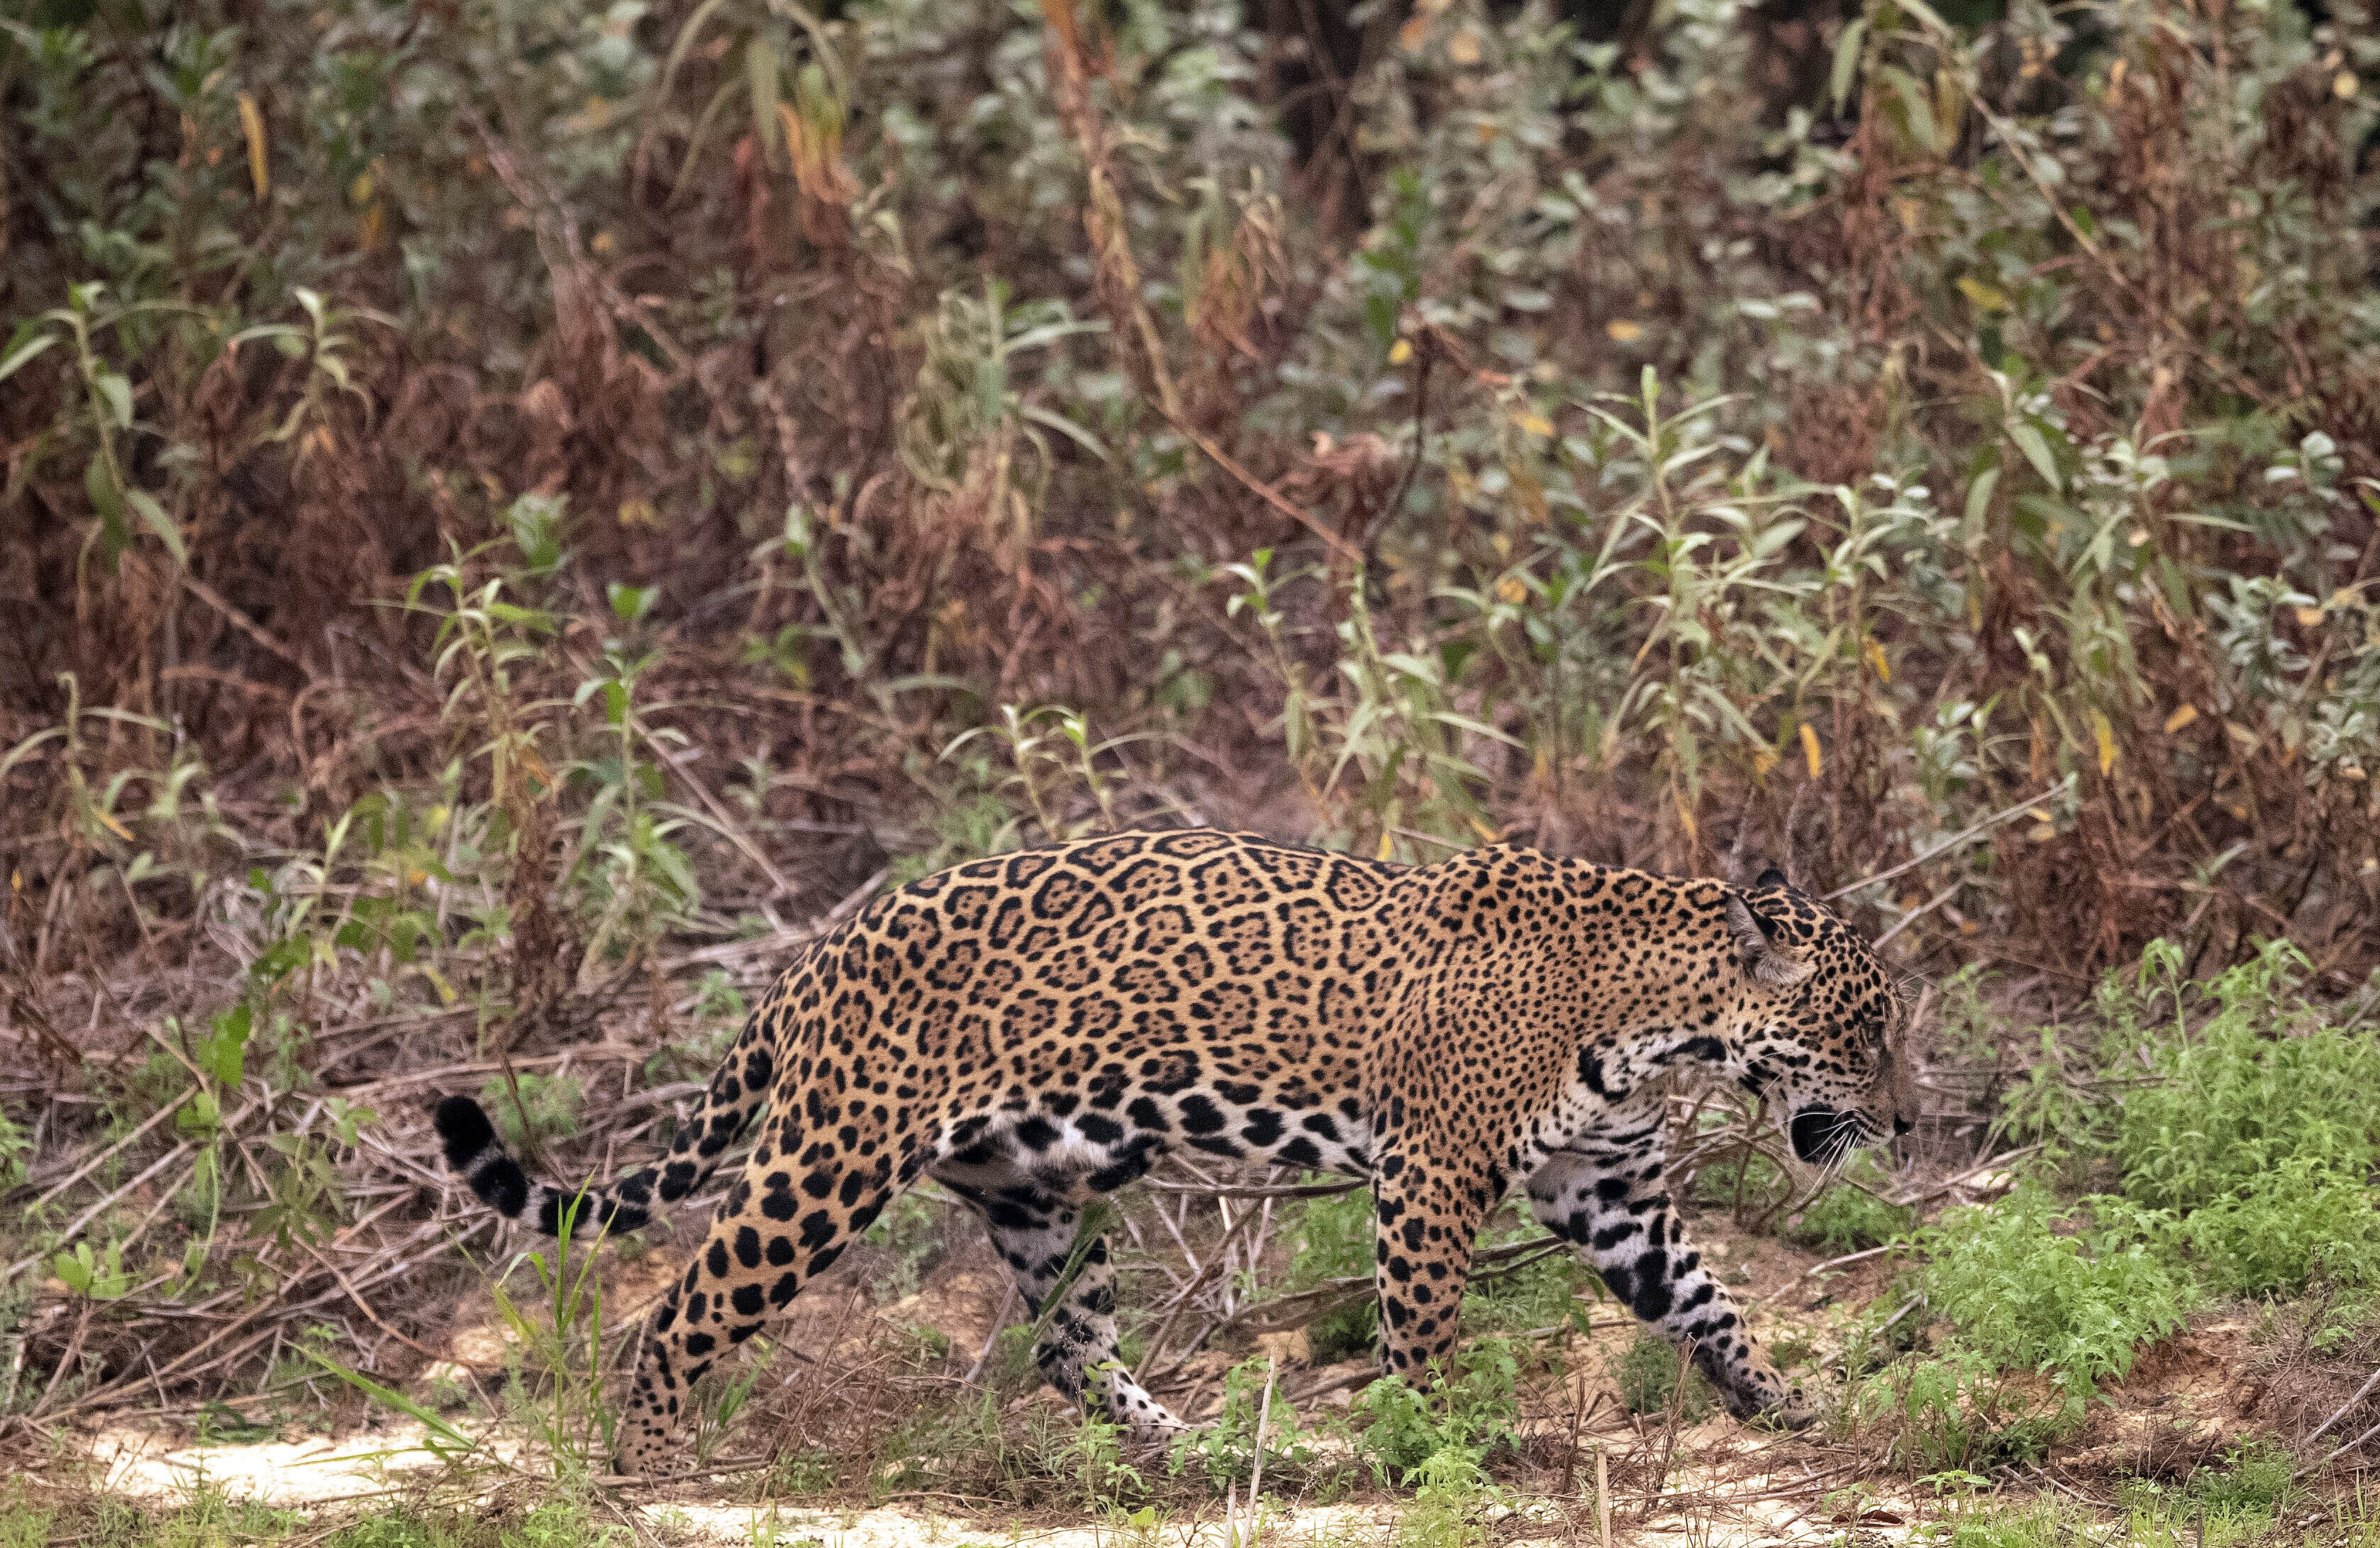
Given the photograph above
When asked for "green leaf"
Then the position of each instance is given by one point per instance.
(1847, 58)
(2030, 440)
(762, 70)
(630, 603)
(439, 1432)
(1916, 105)
(1979, 495)
(155, 517)
(24, 353)
(108, 503)
(118, 394)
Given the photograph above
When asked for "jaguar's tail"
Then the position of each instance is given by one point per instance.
(739, 1090)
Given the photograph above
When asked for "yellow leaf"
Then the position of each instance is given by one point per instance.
(639, 512)
(252, 127)
(1414, 32)
(2044, 833)
(2107, 736)
(107, 821)
(1487, 834)
(1388, 846)
(1464, 47)
(1984, 297)
(1875, 654)
(1810, 748)
(1764, 758)
(1400, 352)
(1686, 817)
(2309, 618)
(2344, 85)
(1510, 592)
(1534, 422)
(2180, 718)
(1623, 331)
(1530, 495)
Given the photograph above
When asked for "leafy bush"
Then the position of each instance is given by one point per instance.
(2301, 1220)
(1540, 1291)
(1400, 1427)
(1335, 1240)
(546, 1108)
(1647, 1378)
(2021, 1293)
(2253, 1480)
(1847, 1218)
(1225, 1449)
(2244, 1097)
(1955, 1414)
(2249, 1148)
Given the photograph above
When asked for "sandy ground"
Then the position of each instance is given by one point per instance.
(1722, 1507)
(1726, 1487)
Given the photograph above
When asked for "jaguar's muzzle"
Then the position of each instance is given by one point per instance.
(1824, 1136)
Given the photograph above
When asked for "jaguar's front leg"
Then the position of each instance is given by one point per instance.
(1608, 1202)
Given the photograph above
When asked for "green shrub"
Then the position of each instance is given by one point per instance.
(1647, 1378)
(1399, 1427)
(2253, 1480)
(1225, 1449)
(1448, 1503)
(1955, 1415)
(2274, 1235)
(2024, 1295)
(1847, 1218)
(1335, 1241)
(1540, 1293)
(547, 1108)
(2249, 1151)
(2238, 1100)
(2041, 1523)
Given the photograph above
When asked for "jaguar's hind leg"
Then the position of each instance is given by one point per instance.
(1038, 1235)
(773, 1234)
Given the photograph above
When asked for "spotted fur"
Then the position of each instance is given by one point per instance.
(1035, 1029)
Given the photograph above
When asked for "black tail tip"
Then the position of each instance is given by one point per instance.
(463, 1125)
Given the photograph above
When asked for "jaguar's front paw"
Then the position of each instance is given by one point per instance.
(1790, 1411)
(1756, 1393)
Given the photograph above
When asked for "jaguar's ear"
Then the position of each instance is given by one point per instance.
(1770, 877)
(1757, 948)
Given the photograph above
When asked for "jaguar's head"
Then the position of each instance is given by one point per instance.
(1823, 1036)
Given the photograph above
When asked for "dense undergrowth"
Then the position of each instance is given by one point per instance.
(514, 514)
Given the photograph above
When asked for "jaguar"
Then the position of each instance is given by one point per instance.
(1034, 1029)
